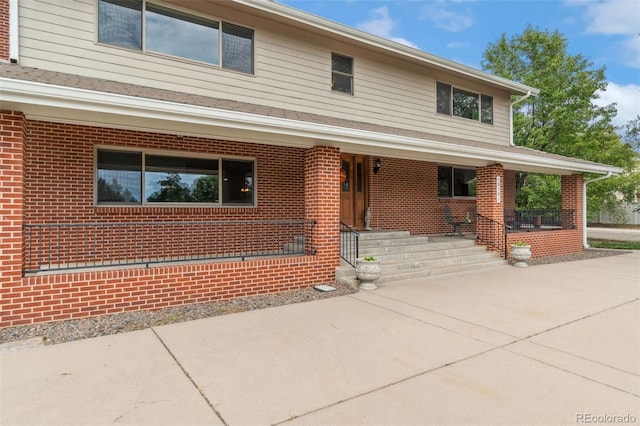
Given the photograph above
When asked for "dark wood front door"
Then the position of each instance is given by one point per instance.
(353, 189)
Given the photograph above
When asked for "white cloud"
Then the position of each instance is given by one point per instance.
(381, 24)
(616, 18)
(458, 44)
(627, 98)
(632, 51)
(613, 17)
(445, 18)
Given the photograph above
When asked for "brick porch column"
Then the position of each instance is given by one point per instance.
(490, 197)
(322, 201)
(509, 190)
(571, 199)
(490, 201)
(12, 138)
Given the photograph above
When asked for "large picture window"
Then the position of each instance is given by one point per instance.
(126, 177)
(456, 182)
(178, 34)
(461, 103)
(175, 33)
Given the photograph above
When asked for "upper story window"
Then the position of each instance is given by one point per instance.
(456, 182)
(461, 103)
(140, 178)
(341, 73)
(171, 32)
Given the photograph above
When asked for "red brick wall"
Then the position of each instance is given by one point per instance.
(4, 30)
(11, 198)
(78, 295)
(572, 198)
(59, 176)
(487, 198)
(322, 189)
(403, 195)
(509, 189)
(549, 243)
(58, 163)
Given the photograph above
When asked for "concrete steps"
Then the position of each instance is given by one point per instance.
(403, 256)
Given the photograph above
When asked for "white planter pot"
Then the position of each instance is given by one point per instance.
(520, 254)
(367, 272)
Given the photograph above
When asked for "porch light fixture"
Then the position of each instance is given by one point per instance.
(377, 165)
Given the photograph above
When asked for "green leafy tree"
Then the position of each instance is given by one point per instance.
(114, 192)
(540, 192)
(205, 189)
(172, 189)
(632, 132)
(563, 119)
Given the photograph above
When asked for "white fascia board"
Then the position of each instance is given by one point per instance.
(28, 93)
(345, 31)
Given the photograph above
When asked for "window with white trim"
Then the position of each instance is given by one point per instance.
(141, 178)
(176, 33)
(456, 182)
(341, 73)
(462, 103)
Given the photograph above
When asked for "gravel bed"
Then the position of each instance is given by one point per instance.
(586, 254)
(66, 331)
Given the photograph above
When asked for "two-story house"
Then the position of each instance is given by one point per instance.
(158, 153)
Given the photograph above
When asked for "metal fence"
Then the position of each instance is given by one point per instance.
(53, 247)
(539, 220)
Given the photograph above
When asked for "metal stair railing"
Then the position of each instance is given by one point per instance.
(492, 233)
(349, 244)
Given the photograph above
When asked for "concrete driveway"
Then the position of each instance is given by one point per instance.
(549, 344)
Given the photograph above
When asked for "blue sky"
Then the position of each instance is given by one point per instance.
(607, 32)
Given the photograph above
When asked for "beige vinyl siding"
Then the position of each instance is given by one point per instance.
(292, 71)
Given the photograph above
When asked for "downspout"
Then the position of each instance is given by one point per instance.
(584, 207)
(14, 26)
(517, 101)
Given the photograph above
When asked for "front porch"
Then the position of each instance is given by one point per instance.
(69, 256)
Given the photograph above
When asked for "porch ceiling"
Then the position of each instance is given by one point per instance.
(76, 100)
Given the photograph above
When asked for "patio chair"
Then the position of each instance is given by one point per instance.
(454, 222)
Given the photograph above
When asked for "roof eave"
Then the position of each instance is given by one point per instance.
(62, 101)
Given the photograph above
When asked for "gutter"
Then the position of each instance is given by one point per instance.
(584, 207)
(517, 101)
